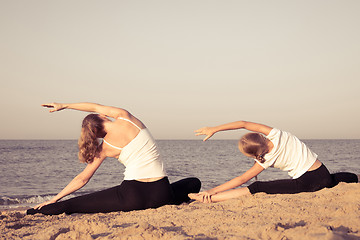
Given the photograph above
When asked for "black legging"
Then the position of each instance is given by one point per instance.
(129, 195)
(308, 182)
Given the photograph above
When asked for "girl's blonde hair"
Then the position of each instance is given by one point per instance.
(92, 128)
(254, 145)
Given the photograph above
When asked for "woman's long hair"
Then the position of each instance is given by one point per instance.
(92, 128)
(254, 145)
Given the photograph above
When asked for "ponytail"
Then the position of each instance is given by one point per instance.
(88, 143)
(260, 158)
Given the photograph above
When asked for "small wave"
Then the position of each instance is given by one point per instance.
(30, 201)
(20, 201)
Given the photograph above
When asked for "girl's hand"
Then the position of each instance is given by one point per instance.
(55, 106)
(204, 197)
(208, 131)
(39, 206)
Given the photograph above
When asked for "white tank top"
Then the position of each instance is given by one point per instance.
(140, 156)
(288, 154)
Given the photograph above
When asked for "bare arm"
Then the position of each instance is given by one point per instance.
(238, 181)
(109, 111)
(78, 182)
(254, 127)
(223, 192)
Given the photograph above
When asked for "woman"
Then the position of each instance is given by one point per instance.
(126, 138)
(271, 147)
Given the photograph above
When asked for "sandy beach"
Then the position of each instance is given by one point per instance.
(326, 214)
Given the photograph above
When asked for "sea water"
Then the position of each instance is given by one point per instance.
(33, 171)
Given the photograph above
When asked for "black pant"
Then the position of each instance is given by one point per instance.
(308, 182)
(128, 196)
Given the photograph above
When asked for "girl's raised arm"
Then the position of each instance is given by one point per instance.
(109, 111)
(255, 127)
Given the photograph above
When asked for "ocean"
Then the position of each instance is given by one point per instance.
(33, 171)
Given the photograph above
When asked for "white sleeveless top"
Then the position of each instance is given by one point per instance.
(140, 156)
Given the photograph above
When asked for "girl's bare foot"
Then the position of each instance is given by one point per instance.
(196, 196)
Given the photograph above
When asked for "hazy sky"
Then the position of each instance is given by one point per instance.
(181, 65)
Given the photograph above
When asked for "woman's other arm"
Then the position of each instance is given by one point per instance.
(78, 182)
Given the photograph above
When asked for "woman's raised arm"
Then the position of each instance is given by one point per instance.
(109, 111)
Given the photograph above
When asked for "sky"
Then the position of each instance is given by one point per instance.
(182, 65)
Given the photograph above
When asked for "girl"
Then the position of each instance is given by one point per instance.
(271, 147)
(145, 183)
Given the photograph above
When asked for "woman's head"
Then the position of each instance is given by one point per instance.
(254, 145)
(92, 129)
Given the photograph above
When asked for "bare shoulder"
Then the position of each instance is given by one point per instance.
(130, 117)
(109, 151)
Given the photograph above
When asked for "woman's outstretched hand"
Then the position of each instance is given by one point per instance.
(54, 106)
(208, 131)
(44, 204)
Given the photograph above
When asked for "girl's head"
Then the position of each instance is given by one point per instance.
(92, 129)
(254, 145)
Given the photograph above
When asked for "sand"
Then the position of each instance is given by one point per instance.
(326, 214)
